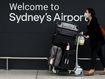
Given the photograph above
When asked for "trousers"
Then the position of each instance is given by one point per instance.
(96, 50)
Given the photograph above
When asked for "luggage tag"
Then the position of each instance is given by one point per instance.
(68, 47)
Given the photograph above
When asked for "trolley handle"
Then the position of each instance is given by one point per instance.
(82, 34)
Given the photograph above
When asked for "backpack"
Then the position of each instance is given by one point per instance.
(102, 30)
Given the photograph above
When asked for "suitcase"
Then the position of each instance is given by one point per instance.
(67, 60)
(55, 57)
(61, 58)
(67, 29)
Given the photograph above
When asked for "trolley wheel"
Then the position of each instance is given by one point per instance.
(80, 74)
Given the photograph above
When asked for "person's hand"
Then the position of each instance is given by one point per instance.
(87, 36)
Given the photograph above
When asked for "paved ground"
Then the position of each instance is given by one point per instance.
(41, 74)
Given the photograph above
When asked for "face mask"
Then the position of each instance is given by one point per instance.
(86, 15)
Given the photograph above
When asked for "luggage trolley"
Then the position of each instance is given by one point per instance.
(65, 31)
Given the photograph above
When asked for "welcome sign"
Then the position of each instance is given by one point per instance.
(38, 17)
(27, 26)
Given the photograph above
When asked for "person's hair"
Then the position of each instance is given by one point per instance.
(90, 10)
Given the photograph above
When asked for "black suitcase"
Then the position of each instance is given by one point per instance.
(67, 29)
(68, 60)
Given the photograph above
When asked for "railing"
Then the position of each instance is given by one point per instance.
(26, 58)
(32, 58)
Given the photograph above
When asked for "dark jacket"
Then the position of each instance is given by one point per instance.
(94, 32)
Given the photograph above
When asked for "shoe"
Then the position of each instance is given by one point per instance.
(89, 73)
(103, 73)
